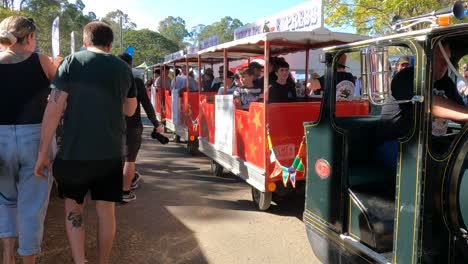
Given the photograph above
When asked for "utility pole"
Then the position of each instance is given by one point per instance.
(121, 35)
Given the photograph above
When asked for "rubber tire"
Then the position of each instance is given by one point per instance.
(216, 168)
(177, 139)
(192, 148)
(262, 200)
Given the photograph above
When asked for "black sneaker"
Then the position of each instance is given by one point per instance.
(135, 181)
(126, 198)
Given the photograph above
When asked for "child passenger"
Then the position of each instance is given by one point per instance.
(247, 92)
(280, 90)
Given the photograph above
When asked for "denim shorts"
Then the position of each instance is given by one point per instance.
(23, 196)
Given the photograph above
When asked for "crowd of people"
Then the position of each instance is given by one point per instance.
(92, 90)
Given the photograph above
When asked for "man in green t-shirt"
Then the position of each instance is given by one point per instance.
(94, 90)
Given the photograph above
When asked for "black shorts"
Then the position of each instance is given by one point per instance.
(103, 178)
(133, 143)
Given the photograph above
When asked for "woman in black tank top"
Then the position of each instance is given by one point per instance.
(24, 89)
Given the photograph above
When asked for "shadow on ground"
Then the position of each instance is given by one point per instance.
(147, 232)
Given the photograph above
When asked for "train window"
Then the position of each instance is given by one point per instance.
(448, 91)
(374, 127)
(366, 75)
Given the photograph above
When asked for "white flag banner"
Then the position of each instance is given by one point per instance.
(55, 38)
(72, 42)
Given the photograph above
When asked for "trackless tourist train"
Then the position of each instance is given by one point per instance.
(182, 108)
(262, 144)
(392, 187)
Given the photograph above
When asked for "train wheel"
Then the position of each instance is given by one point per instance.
(192, 147)
(262, 200)
(216, 168)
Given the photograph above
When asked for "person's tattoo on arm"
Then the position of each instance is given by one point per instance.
(55, 94)
(75, 218)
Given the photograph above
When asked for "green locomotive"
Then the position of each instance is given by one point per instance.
(393, 188)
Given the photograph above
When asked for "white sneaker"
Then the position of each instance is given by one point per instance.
(135, 181)
(126, 198)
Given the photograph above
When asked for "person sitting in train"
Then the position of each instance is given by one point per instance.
(345, 83)
(397, 119)
(271, 72)
(231, 86)
(247, 92)
(219, 80)
(237, 82)
(149, 82)
(159, 82)
(257, 69)
(193, 85)
(402, 63)
(179, 83)
(281, 90)
(207, 81)
(314, 87)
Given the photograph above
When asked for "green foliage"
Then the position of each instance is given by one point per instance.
(375, 17)
(113, 19)
(173, 28)
(150, 46)
(6, 12)
(7, 4)
(224, 29)
(194, 35)
(71, 19)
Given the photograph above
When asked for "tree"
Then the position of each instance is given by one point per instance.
(194, 35)
(375, 17)
(43, 12)
(224, 29)
(6, 12)
(9, 4)
(150, 46)
(173, 28)
(91, 16)
(71, 19)
(113, 19)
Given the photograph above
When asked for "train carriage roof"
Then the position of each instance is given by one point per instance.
(193, 60)
(281, 43)
(417, 34)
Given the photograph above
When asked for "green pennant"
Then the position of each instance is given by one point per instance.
(300, 167)
(285, 175)
(296, 162)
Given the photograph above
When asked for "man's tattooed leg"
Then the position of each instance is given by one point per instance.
(75, 218)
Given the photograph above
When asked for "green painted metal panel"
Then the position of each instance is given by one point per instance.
(324, 195)
(463, 197)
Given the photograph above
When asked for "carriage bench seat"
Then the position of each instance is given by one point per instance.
(372, 215)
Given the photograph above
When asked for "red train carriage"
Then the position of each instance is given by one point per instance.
(157, 95)
(263, 145)
(182, 109)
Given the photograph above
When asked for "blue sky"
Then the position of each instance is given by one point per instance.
(147, 13)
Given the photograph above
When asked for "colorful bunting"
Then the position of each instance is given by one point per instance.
(287, 173)
(195, 123)
(285, 176)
